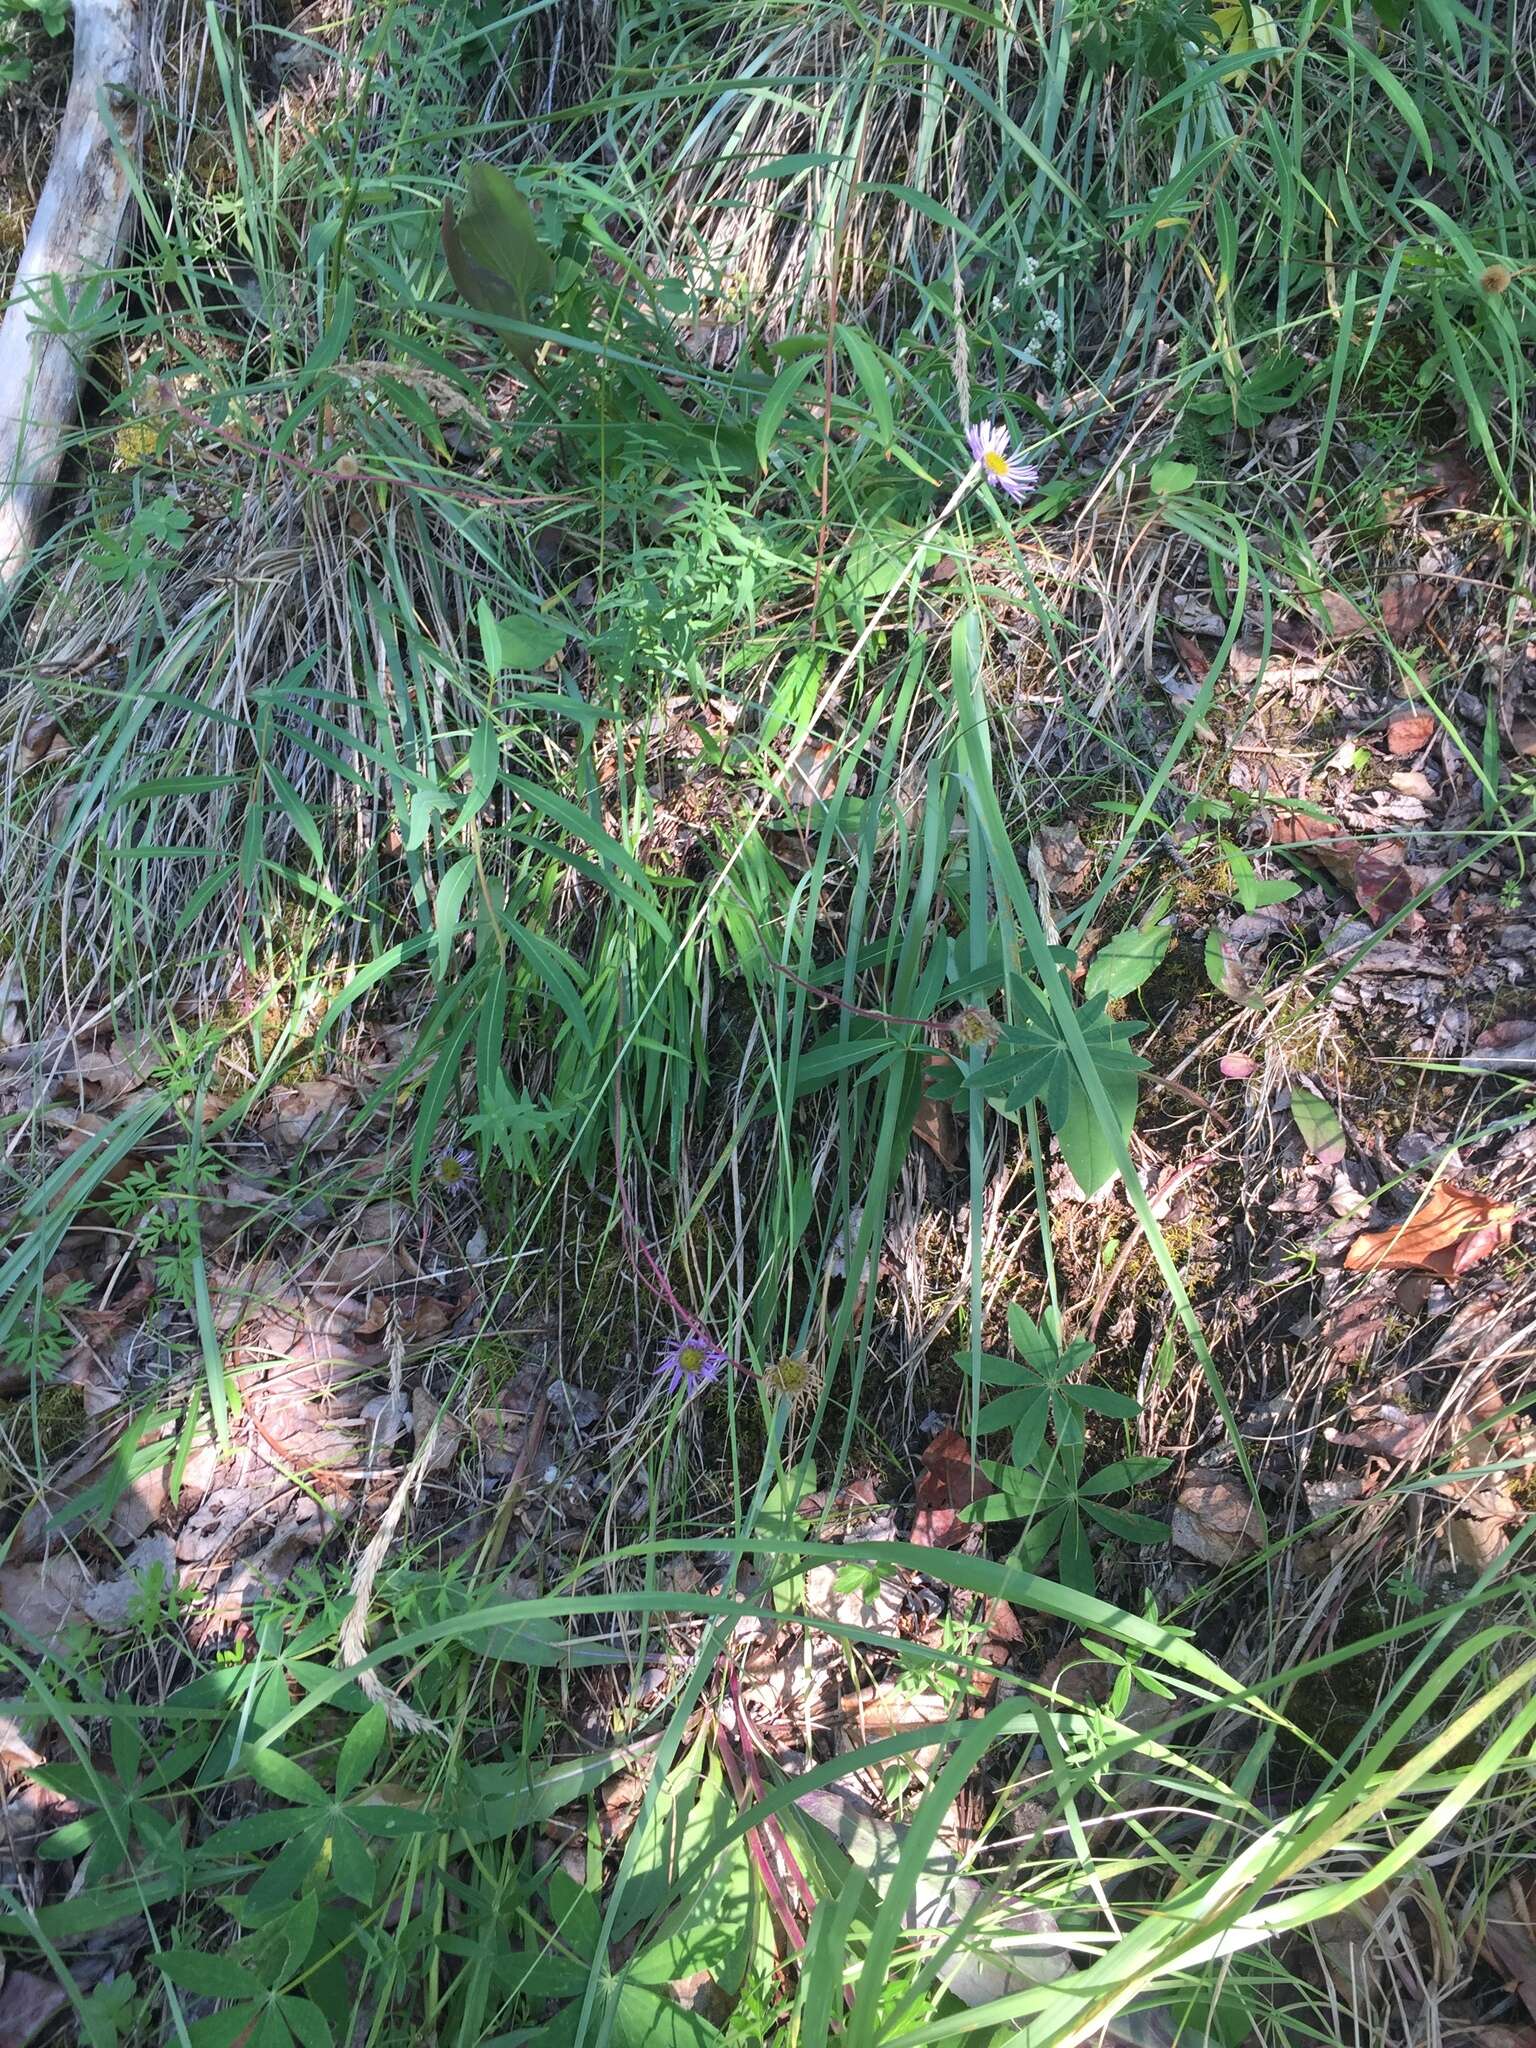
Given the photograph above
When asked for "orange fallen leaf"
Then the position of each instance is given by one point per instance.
(1408, 731)
(1452, 1230)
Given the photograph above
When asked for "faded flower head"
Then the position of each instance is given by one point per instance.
(1497, 278)
(790, 1378)
(975, 1028)
(453, 1172)
(689, 1363)
(1012, 475)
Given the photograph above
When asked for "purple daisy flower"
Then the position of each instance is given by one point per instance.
(453, 1172)
(689, 1363)
(988, 443)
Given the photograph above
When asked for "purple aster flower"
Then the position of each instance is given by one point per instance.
(453, 1172)
(689, 1363)
(988, 443)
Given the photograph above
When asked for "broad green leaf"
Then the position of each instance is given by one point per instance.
(1105, 1401)
(307, 2023)
(1168, 477)
(869, 367)
(575, 1912)
(208, 1976)
(1318, 1123)
(494, 253)
(643, 2020)
(1125, 1522)
(1085, 1144)
(352, 1865)
(281, 1775)
(360, 1751)
(679, 1841)
(526, 642)
(780, 396)
(1124, 962)
(451, 891)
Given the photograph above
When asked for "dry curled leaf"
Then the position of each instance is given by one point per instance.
(1385, 1431)
(1215, 1519)
(1452, 1230)
(1509, 1939)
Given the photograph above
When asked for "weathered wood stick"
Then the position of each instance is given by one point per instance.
(76, 234)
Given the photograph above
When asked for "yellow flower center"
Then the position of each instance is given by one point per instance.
(690, 1358)
(995, 464)
(449, 1171)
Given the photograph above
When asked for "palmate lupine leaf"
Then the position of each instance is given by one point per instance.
(1031, 1062)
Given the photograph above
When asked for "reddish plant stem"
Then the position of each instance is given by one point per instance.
(765, 1870)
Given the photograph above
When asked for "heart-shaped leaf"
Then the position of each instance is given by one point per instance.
(494, 253)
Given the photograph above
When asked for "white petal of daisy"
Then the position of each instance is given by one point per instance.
(1010, 474)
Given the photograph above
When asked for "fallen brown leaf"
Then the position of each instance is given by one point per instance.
(1451, 1231)
(1215, 1519)
(1459, 479)
(935, 1125)
(1408, 731)
(28, 2003)
(425, 1410)
(1407, 602)
(305, 1113)
(1067, 860)
(1384, 1431)
(1477, 1541)
(1377, 875)
(1509, 1937)
(42, 741)
(1344, 615)
(16, 1753)
(1507, 1048)
(40, 1600)
(948, 1482)
(502, 1434)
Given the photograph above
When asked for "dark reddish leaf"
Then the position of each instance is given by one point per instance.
(947, 1482)
(1459, 480)
(1376, 875)
(1192, 654)
(935, 1125)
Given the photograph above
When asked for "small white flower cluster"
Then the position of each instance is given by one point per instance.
(1037, 342)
